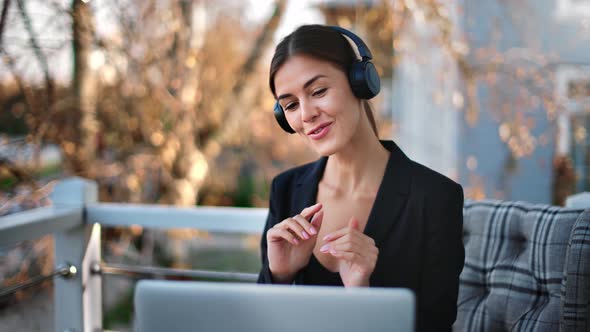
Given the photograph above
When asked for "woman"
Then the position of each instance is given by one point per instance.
(363, 214)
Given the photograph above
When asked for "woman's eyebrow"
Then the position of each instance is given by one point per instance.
(307, 84)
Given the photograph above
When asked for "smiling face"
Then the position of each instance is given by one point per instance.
(318, 103)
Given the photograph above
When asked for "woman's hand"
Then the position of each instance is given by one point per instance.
(356, 252)
(291, 243)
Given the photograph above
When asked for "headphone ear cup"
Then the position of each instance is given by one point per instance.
(364, 79)
(281, 119)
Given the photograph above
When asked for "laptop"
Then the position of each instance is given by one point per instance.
(164, 305)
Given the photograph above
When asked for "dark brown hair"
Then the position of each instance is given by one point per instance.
(320, 42)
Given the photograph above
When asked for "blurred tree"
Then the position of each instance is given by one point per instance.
(174, 97)
(153, 100)
(82, 157)
(161, 96)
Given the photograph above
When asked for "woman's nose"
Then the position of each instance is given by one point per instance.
(308, 112)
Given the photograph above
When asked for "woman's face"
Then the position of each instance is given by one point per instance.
(318, 103)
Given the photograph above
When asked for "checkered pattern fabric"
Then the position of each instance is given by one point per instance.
(527, 268)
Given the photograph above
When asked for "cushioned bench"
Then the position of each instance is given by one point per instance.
(527, 268)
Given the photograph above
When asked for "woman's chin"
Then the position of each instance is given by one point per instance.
(325, 148)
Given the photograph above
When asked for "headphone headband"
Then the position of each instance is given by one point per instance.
(360, 44)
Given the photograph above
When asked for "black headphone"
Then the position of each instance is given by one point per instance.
(363, 77)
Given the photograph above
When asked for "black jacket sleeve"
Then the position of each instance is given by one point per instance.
(265, 277)
(444, 258)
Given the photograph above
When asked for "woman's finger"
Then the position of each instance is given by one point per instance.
(308, 229)
(294, 227)
(369, 260)
(316, 221)
(360, 250)
(346, 238)
(362, 238)
(346, 246)
(348, 231)
(276, 234)
(311, 210)
(352, 227)
(347, 256)
(336, 234)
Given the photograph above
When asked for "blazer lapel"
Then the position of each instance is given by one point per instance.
(391, 196)
(307, 186)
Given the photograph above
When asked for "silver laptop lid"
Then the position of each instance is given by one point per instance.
(208, 306)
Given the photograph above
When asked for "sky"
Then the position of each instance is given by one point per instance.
(298, 12)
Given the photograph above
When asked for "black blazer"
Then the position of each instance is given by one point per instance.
(416, 222)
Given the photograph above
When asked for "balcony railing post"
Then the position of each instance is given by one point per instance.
(78, 299)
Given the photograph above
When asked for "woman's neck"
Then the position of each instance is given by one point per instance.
(358, 168)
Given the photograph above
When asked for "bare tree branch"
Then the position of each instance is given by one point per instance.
(59, 9)
(264, 39)
(3, 18)
(38, 52)
(9, 61)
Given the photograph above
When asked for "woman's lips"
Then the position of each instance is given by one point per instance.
(321, 132)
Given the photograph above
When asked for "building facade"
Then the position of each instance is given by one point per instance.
(532, 87)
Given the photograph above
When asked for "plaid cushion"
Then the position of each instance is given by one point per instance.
(576, 280)
(514, 267)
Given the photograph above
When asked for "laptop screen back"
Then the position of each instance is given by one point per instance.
(208, 306)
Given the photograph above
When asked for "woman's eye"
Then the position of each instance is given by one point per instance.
(319, 92)
(291, 106)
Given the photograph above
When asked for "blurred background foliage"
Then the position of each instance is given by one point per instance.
(167, 101)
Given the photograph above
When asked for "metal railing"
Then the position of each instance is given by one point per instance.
(65, 271)
(158, 272)
(76, 218)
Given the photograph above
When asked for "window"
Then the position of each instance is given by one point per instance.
(573, 88)
(580, 149)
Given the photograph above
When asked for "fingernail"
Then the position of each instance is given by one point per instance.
(333, 251)
(327, 237)
(295, 241)
(312, 230)
(305, 236)
(325, 248)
